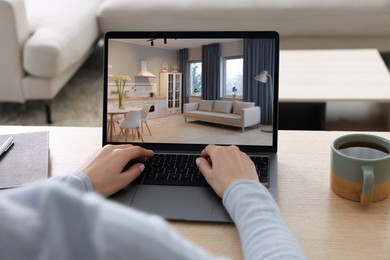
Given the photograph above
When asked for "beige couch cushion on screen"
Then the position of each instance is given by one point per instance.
(239, 105)
(223, 106)
(206, 105)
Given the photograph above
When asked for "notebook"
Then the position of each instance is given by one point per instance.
(26, 161)
(176, 92)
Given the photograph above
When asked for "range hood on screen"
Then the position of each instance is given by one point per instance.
(144, 73)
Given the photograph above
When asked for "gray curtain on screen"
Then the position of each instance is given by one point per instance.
(184, 69)
(259, 55)
(211, 71)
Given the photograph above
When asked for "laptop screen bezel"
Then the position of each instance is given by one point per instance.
(191, 147)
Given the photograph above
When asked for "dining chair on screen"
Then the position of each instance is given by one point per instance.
(132, 122)
(144, 117)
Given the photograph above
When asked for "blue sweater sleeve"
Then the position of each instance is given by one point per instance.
(263, 231)
(75, 179)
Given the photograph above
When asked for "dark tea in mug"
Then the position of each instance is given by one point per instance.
(363, 150)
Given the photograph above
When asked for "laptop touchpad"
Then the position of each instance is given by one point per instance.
(175, 202)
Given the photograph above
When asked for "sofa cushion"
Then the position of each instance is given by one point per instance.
(239, 105)
(206, 105)
(216, 117)
(222, 106)
(63, 32)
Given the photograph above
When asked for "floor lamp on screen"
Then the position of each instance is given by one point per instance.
(263, 77)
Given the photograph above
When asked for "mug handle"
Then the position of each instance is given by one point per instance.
(368, 185)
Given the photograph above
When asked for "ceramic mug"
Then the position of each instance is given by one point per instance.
(360, 168)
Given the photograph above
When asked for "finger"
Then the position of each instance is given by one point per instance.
(204, 166)
(132, 173)
(208, 150)
(142, 152)
(112, 147)
(120, 146)
(233, 148)
(137, 152)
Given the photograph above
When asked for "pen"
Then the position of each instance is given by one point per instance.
(6, 145)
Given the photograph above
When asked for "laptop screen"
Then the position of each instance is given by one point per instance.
(184, 90)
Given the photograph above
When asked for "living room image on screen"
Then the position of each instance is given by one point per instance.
(195, 91)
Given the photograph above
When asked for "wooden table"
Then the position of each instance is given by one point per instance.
(327, 226)
(111, 111)
(312, 78)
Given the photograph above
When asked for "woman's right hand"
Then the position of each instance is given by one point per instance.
(221, 165)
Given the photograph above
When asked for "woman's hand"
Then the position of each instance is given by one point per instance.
(105, 168)
(221, 165)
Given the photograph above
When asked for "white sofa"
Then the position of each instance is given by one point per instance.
(44, 42)
(237, 113)
(302, 24)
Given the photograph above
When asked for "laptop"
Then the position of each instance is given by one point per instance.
(176, 92)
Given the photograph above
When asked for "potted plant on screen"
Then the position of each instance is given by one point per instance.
(234, 90)
(120, 82)
(196, 91)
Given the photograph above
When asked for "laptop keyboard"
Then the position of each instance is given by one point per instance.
(181, 170)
